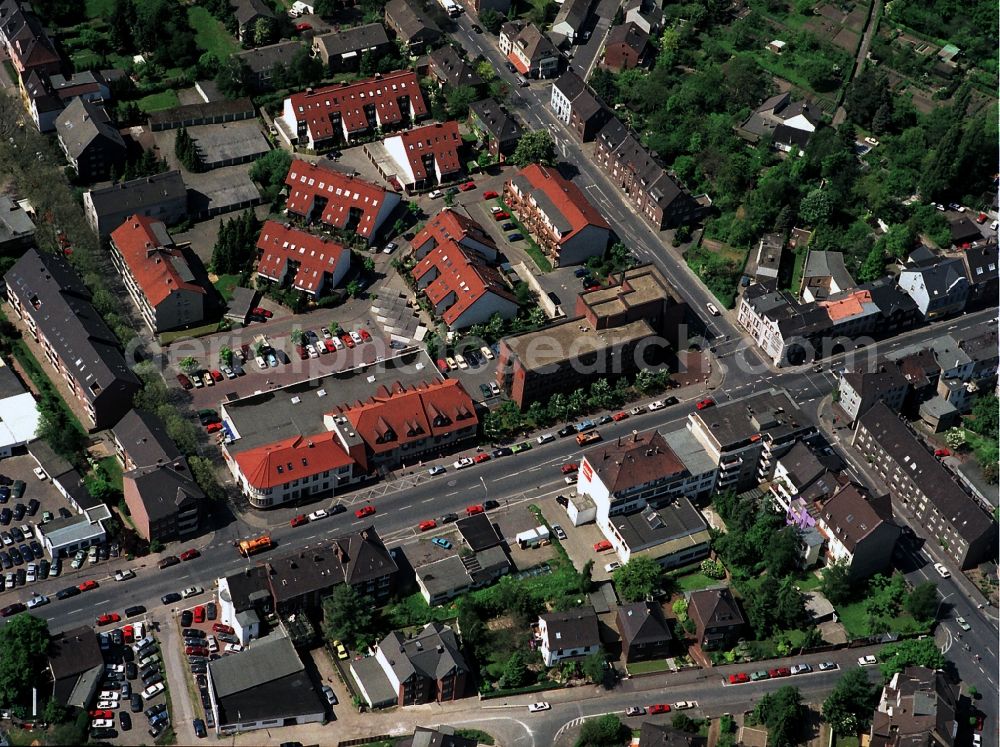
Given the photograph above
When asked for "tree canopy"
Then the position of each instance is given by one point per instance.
(919, 652)
(782, 713)
(849, 707)
(24, 640)
(637, 579)
(347, 615)
(534, 147)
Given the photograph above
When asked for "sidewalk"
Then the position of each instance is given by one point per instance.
(182, 711)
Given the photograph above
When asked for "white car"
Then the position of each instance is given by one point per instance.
(462, 463)
(318, 514)
(192, 591)
(114, 668)
(37, 601)
(356, 337)
(40, 473)
(461, 362)
(958, 619)
(437, 469)
(658, 405)
(801, 669)
(942, 571)
(683, 705)
(233, 648)
(712, 309)
(435, 194)
(826, 666)
(495, 209)
(101, 723)
(124, 575)
(612, 567)
(545, 438)
(537, 707)
(311, 351)
(109, 695)
(570, 479)
(487, 353)
(152, 691)
(867, 661)
(107, 705)
(337, 343)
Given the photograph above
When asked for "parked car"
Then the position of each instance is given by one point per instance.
(867, 660)
(942, 571)
(739, 678)
(705, 403)
(537, 707)
(442, 542)
(659, 708)
(364, 511)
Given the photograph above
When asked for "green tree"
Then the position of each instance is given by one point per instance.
(24, 640)
(204, 475)
(874, 265)
(457, 100)
(836, 583)
(922, 601)
(603, 731)
(187, 151)
(783, 554)
(515, 671)
(921, 652)
(535, 146)
(782, 713)
(816, 207)
(233, 78)
(264, 31)
(594, 667)
(189, 364)
(849, 707)
(347, 615)
(226, 355)
(985, 415)
(683, 722)
(637, 579)
(491, 20)
(270, 171)
(122, 22)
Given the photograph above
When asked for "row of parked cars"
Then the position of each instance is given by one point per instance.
(770, 674)
(313, 345)
(469, 358)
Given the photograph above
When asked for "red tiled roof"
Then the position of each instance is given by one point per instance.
(442, 140)
(464, 274)
(316, 255)
(307, 181)
(400, 415)
(450, 226)
(292, 459)
(564, 195)
(321, 108)
(152, 260)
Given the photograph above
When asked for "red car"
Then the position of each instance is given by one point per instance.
(108, 618)
(942, 452)
(303, 27)
(659, 708)
(190, 554)
(442, 366)
(364, 335)
(346, 339)
(258, 311)
(364, 511)
(128, 633)
(468, 186)
(428, 524)
(489, 194)
(480, 458)
(568, 468)
(705, 403)
(217, 375)
(501, 215)
(184, 381)
(619, 416)
(87, 585)
(299, 520)
(779, 672)
(222, 628)
(213, 427)
(195, 651)
(199, 614)
(102, 714)
(738, 678)
(474, 509)
(602, 546)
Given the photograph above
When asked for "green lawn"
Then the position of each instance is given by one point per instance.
(179, 334)
(646, 667)
(696, 581)
(210, 34)
(157, 101)
(85, 60)
(113, 468)
(852, 617)
(808, 582)
(225, 285)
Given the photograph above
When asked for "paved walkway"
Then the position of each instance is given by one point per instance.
(182, 710)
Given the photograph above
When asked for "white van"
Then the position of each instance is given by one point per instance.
(261, 363)
(712, 309)
(545, 438)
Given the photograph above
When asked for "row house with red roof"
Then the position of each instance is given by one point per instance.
(561, 219)
(313, 455)
(324, 117)
(423, 157)
(319, 193)
(451, 225)
(309, 263)
(462, 288)
(156, 274)
(25, 40)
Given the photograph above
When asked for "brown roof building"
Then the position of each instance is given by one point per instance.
(411, 25)
(918, 708)
(921, 484)
(343, 49)
(644, 631)
(529, 49)
(661, 200)
(717, 618)
(424, 668)
(577, 106)
(450, 70)
(859, 530)
(625, 47)
(496, 129)
(420, 158)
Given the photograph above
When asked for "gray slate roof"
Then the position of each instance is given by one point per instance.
(83, 122)
(268, 659)
(262, 59)
(574, 628)
(135, 195)
(165, 489)
(145, 440)
(354, 39)
(432, 653)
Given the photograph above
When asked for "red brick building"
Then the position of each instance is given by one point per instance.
(625, 47)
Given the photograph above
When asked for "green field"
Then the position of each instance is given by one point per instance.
(646, 667)
(696, 581)
(225, 285)
(210, 34)
(157, 101)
